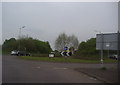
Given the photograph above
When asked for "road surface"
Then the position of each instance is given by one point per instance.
(17, 70)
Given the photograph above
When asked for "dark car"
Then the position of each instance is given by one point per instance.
(113, 57)
(23, 53)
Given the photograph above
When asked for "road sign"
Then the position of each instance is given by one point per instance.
(65, 48)
(105, 41)
(66, 53)
(62, 53)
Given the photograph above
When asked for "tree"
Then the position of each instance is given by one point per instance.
(66, 41)
(73, 42)
(9, 44)
(27, 44)
(88, 47)
(61, 42)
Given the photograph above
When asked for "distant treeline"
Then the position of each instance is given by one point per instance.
(85, 48)
(36, 46)
(27, 44)
(88, 47)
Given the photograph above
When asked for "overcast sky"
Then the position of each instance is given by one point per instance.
(46, 20)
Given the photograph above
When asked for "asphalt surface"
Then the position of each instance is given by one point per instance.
(15, 70)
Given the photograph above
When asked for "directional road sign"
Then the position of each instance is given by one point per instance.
(107, 41)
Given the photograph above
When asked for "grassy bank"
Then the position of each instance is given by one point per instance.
(62, 59)
(5, 52)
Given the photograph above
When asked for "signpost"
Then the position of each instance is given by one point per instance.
(65, 48)
(66, 52)
(118, 53)
(118, 42)
(109, 41)
(103, 41)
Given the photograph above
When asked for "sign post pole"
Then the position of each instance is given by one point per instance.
(118, 54)
(101, 51)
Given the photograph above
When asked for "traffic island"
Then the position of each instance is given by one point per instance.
(103, 74)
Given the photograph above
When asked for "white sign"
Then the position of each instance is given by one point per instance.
(62, 53)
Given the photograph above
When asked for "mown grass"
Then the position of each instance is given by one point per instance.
(62, 59)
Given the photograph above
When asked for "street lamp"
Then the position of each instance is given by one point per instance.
(20, 35)
(20, 31)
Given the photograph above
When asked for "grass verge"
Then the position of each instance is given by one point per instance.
(62, 59)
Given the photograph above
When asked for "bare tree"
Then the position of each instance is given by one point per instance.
(73, 42)
(63, 40)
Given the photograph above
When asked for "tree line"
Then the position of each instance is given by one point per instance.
(36, 46)
(27, 44)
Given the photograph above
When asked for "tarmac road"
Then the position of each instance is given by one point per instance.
(17, 70)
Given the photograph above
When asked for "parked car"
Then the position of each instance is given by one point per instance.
(13, 52)
(52, 54)
(113, 56)
(23, 53)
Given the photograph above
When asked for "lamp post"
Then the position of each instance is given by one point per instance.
(20, 35)
(20, 31)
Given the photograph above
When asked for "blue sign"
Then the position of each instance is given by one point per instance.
(65, 48)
